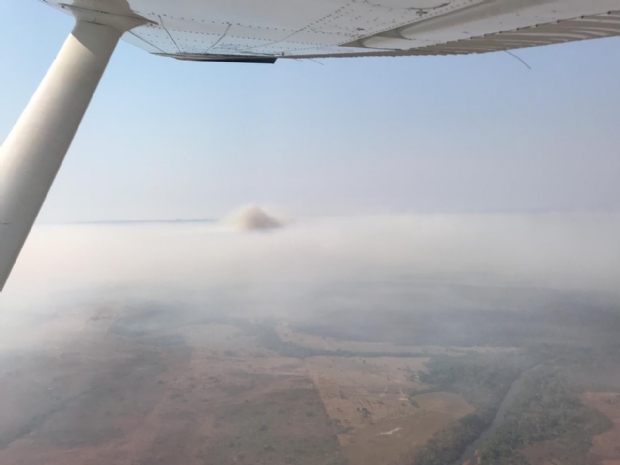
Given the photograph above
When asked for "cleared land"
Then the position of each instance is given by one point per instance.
(605, 447)
(154, 399)
(151, 385)
(368, 403)
(312, 341)
(143, 387)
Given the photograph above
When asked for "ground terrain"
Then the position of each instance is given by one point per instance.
(152, 385)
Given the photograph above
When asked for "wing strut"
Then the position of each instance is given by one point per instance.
(34, 150)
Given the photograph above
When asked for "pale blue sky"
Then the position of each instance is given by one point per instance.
(167, 139)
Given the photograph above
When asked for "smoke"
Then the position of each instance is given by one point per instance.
(253, 218)
(564, 252)
(312, 267)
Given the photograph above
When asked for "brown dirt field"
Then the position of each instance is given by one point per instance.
(203, 394)
(386, 441)
(605, 447)
(367, 402)
(350, 385)
(444, 402)
(217, 337)
(157, 400)
(286, 333)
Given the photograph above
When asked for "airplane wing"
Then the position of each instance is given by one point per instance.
(254, 31)
(265, 30)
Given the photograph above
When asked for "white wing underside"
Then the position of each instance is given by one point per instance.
(256, 30)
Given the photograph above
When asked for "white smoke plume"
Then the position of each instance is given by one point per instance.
(284, 272)
(253, 218)
(556, 251)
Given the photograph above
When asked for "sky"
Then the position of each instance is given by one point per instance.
(171, 140)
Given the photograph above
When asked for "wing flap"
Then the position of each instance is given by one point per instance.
(585, 28)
